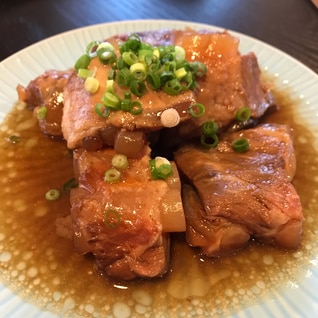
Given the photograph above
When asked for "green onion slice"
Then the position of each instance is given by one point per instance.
(209, 127)
(52, 195)
(240, 145)
(138, 71)
(137, 87)
(160, 168)
(91, 48)
(153, 80)
(209, 141)
(82, 62)
(112, 175)
(111, 100)
(136, 107)
(101, 110)
(124, 77)
(196, 110)
(173, 87)
(120, 161)
(112, 218)
(41, 112)
(243, 114)
(130, 58)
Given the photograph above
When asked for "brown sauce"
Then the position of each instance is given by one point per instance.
(42, 267)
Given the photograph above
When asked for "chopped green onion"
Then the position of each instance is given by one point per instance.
(198, 68)
(137, 87)
(160, 168)
(120, 161)
(180, 72)
(112, 175)
(209, 141)
(196, 110)
(106, 45)
(91, 85)
(91, 48)
(130, 58)
(136, 107)
(70, 184)
(240, 145)
(14, 139)
(111, 218)
(52, 195)
(243, 114)
(153, 80)
(173, 87)
(124, 77)
(209, 127)
(101, 110)
(84, 73)
(180, 53)
(41, 112)
(166, 76)
(82, 62)
(134, 42)
(110, 86)
(111, 100)
(138, 71)
(111, 75)
(105, 55)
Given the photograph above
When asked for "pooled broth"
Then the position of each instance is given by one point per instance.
(41, 266)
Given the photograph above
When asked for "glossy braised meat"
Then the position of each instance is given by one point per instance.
(232, 81)
(125, 224)
(80, 120)
(230, 197)
(47, 90)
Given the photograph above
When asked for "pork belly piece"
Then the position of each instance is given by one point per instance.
(232, 81)
(80, 120)
(47, 91)
(231, 197)
(126, 224)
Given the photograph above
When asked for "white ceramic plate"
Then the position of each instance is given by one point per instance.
(60, 52)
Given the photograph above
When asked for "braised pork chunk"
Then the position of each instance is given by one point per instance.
(231, 197)
(47, 91)
(123, 224)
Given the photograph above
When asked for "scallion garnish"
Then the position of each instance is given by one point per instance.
(243, 114)
(209, 127)
(135, 107)
(82, 62)
(120, 161)
(112, 175)
(196, 110)
(111, 100)
(101, 110)
(139, 64)
(160, 168)
(240, 145)
(41, 112)
(137, 87)
(91, 85)
(209, 141)
(52, 194)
